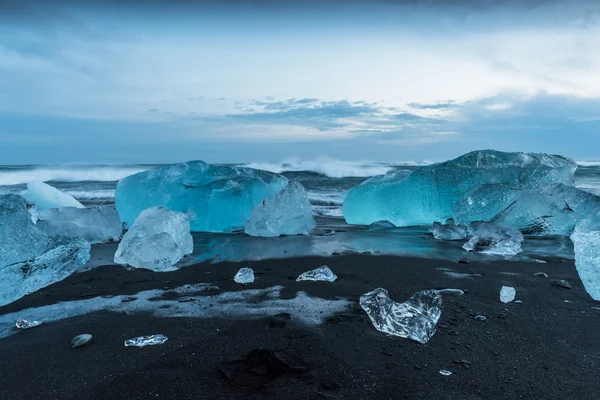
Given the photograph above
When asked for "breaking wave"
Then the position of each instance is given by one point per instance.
(21, 175)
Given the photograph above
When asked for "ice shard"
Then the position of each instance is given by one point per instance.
(429, 193)
(448, 231)
(244, 275)
(143, 341)
(289, 212)
(507, 294)
(491, 238)
(217, 198)
(24, 324)
(157, 240)
(414, 319)
(587, 260)
(45, 197)
(20, 239)
(323, 273)
(20, 279)
(95, 224)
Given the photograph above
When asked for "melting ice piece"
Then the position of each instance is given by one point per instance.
(490, 238)
(156, 241)
(449, 231)
(143, 341)
(45, 197)
(217, 198)
(429, 193)
(81, 340)
(24, 324)
(445, 372)
(20, 239)
(244, 275)
(587, 260)
(287, 213)
(414, 319)
(94, 224)
(453, 292)
(379, 225)
(20, 279)
(323, 273)
(507, 294)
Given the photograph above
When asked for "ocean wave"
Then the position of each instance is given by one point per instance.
(588, 163)
(327, 166)
(21, 175)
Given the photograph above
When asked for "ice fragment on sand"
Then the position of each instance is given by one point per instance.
(156, 241)
(507, 294)
(587, 260)
(541, 274)
(560, 283)
(45, 197)
(217, 198)
(20, 239)
(414, 319)
(323, 273)
(448, 231)
(453, 292)
(490, 238)
(24, 324)
(379, 225)
(20, 279)
(289, 212)
(480, 318)
(142, 341)
(81, 340)
(95, 224)
(445, 372)
(244, 275)
(429, 193)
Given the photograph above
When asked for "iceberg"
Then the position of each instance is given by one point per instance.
(449, 231)
(157, 240)
(491, 238)
(323, 273)
(20, 239)
(94, 224)
(587, 260)
(45, 197)
(507, 294)
(217, 198)
(429, 193)
(289, 212)
(244, 275)
(414, 319)
(20, 279)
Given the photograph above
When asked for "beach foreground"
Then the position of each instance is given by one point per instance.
(543, 347)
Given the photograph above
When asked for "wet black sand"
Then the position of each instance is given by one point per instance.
(542, 348)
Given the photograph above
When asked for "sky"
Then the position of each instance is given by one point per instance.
(264, 81)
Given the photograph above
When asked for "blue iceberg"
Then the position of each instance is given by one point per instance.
(95, 224)
(217, 198)
(587, 259)
(46, 197)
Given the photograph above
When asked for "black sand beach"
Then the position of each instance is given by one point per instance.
(541, 348)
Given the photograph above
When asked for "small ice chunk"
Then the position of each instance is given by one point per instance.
(143, 341)
(244, 275)
(414, 319)
(157, 240)
(491, 238)
(45, 197)
(507, 294)
(81, 340)
(20, 239)
(287, 213)
(323, 273)
(480, 318)
(587, 260)
(24, 324)
(445, 372)
(94, 224)
(379, 225)
(453, 292)
(541, 274)
(20, 279)
(448, 231)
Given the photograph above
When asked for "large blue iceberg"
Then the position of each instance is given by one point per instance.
(430, 193)
(216, 198)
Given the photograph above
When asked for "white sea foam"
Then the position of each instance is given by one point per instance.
(327, 166)
(15, 176)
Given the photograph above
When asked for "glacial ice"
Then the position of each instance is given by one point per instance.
(323, 273)
(380, 225)
(20, 279)
(414, 319)
(491, 238)
(217, 198)
(587, 260)
(24, 324)
(244, 275)
(20, 239)
(157, 240)
(81, 340)
(429, 193)
(507, 294)
(289, 212)
(45, 197)
(95, 224)
(142, 341)
(448, 231)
